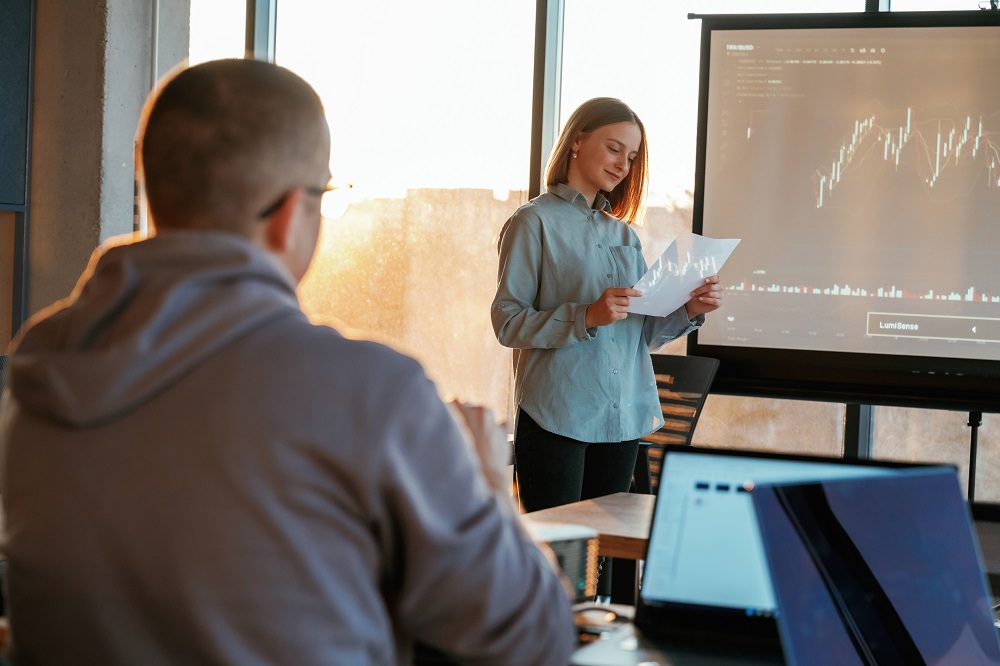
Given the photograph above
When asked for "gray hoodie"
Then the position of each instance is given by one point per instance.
(192, 472)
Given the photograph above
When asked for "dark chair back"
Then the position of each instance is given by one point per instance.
(683, 383)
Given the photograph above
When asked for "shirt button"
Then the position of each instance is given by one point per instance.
(614, 372)
(615, 405)
(590, 218)
(609, 276)
(600, 246)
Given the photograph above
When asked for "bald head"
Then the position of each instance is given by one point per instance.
(224, 139)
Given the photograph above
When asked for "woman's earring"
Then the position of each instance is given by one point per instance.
(574, 156)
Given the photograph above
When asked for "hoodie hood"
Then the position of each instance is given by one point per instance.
(141, 316)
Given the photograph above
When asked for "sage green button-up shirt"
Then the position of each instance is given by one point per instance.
(557, 256)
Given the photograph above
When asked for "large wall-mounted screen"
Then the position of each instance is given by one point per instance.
(858, 158)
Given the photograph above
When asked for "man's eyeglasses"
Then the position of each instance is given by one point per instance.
(311, 191)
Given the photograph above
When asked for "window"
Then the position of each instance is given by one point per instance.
(7, 250)
(936, 5)
(647, 53)
(218, 30)
(429, 106)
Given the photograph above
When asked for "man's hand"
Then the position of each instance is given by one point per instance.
(488, 439)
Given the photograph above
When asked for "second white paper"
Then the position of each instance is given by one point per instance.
(681, 268)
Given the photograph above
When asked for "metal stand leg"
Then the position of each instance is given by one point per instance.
(975, 420)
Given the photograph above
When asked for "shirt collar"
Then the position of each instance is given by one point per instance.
(564, 191)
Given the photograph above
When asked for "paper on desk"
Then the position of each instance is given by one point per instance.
(683, 266)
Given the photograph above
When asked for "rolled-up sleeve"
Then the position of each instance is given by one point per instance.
(658, 331)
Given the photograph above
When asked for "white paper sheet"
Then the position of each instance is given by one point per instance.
(681, 268)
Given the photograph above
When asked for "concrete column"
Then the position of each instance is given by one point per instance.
(93, 64)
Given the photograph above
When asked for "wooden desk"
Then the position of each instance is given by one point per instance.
(621, 520)
(622, 523)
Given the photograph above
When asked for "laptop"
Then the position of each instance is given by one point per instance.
(706, 586)
(882, 570)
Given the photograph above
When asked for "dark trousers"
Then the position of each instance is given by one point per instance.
(553, 470)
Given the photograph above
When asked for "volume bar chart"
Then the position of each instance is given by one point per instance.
(971, 295)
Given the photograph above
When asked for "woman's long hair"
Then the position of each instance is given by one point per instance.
(626, 199)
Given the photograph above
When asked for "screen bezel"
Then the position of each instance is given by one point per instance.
(838, 376)
(837, 511)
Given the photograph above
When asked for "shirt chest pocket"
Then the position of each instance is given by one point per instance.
(629, 263)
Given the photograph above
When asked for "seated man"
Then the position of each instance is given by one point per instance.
(192, 472)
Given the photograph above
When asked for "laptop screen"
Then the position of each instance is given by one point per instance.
(878, 570)
(705, 550)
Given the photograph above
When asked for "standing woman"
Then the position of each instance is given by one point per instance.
(584, 385)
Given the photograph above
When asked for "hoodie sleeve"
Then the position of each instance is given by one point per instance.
(471, 581)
